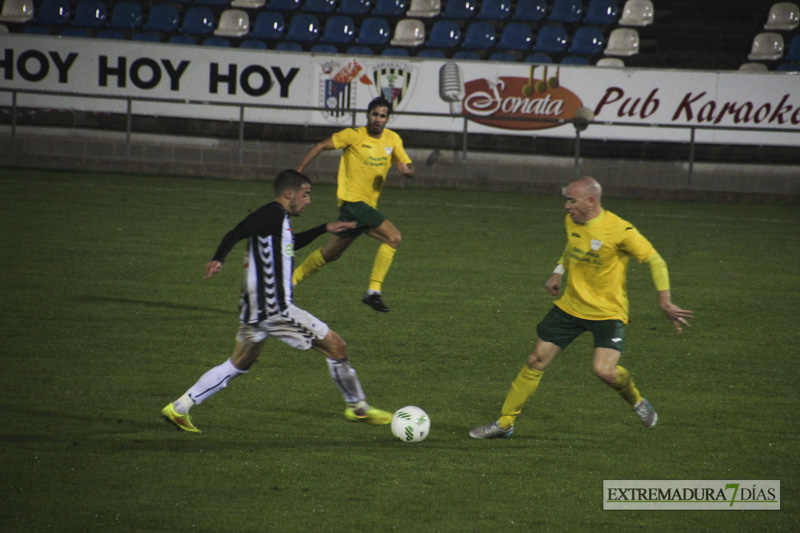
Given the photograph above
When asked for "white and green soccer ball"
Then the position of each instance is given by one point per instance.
(411, 424)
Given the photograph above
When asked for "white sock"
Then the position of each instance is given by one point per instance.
(373, 291)
(183, 404)
(344, 376)
(209, 384)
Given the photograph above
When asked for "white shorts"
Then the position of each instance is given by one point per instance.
(295, 327)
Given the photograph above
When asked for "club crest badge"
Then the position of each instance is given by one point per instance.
(596, 244)
(394, 81)
(338, 90)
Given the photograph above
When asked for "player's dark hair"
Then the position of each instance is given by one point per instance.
(290, 179)
(380, 101)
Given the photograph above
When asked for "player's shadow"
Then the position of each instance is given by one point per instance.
(152, 304)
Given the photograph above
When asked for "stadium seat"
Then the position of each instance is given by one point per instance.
(213, 3)
(303, 28)
(233, 23)
(793, 52)
(35, 30)
(575, 60)
(783, 16)
(637, 13)
(126, 15)
(374, 31)
(601, 12)
(318, 6)
(198, 20)
(530, 11)
(494, 10)
(516, 36)
(146, 37)
(622, 42)
(444, 34)
(53, 13)
(360, 50)
(90, 14)
(252, 44)
(283, 5)
(109, 34)
(17, 11)
(339, 29)
(480, 35)
(73, 32)
(566, 11)
(788, 67)
(219, 42)
(767, 46)
(324, 49)
(182, 39)
(587, 41)
(752, 66)
(502, 56)
(354, 8)
(612, 62)
(539, 59)
(268, 25)
(551, 39)
(425, 9)
(459, 9)
(163, 18)
(390, 8)
(395, 52)
(408, 32)
(469, 55)
(430, 53)
(286, 46)
(248, 4)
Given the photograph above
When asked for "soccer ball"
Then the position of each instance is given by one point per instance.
(411, 424)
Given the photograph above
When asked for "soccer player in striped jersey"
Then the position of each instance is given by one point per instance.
(266, 305)
(367, 156)
(599, 244)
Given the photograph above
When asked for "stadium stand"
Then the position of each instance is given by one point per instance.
(566, 11)
(460, 9)
(783, 16)
(374, 31)
(793, 52)
(530, 10)
(587, 41)
(390, 8)
(480, 35)
(551, 39)
(162, 18)
(303, 28)
(248, 4)
(233, 23)
(198, 20)
(354, 8)
(269, 25)
(623, 42)
(283, 5)
(601, 12)
(90, 14)
(408, 32)
(54, 13)
(637, 13)
(424, 9)
(17, 11)
(319, 6)
(339, 29)
(767, 46)
(516, 36)
(444, 34)
(126, 15)
(494, 10)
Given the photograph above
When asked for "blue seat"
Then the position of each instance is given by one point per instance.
(530, 10)
(318, 6)
(126, 15)
(303, 28)
(35, 30)
(494, 10)
(431, 53)
(374, 31)
(146, 37)
(339, 29)
(253, 44)
(552, 39)
(480, 35)
(90, 14)
(324, 49)
(601, 12)
(390, 8)
(354, 7)
(219, 42)
(182, 39)
(283, 5)
(459, 9)
(539, 59)
(444, 34)
(269, 25)
(213, 3)
(566, 11)
(502, 56)
(360, 50)
(109, 34)
(162, 17)
(470, 55)
(788, 67)
(575, 60)
(516, 36)
(395, 52)
(53, 13)
(73, 32)
(587, 41)
(198, 20)
(286, 46)
(793, 50)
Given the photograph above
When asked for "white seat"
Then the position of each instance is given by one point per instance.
(637, 13)
(767, 46)
(248, 4)
(424, 9)
(622, 42)
(753, 67)
(17, 11)
(613, 62)
(783, 16)
(409, 32)
(233, 23)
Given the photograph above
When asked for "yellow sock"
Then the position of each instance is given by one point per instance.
(383, 260)
(522, 388)
(625, 387)
(312, 263)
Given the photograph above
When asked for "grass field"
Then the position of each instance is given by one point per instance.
(105, 317)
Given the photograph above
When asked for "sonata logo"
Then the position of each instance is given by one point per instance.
(512, 103)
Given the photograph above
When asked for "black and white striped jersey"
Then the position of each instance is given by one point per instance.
(269, 260)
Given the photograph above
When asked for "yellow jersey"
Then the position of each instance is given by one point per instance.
(365, 163)
(596, 259)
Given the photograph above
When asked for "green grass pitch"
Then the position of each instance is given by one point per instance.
(105, 317)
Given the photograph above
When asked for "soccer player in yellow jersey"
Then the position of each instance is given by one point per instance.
(599, 244)
(367, 156)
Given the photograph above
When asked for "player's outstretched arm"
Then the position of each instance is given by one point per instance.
(406, 170)
(339, 226)
(212, 267)
(322, 146)
(674, 314)
(553, 284)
